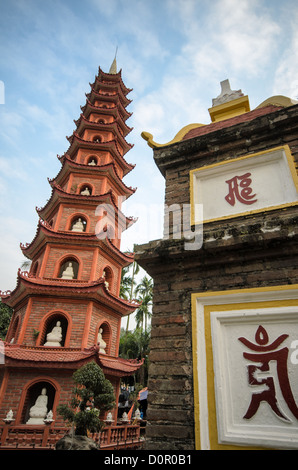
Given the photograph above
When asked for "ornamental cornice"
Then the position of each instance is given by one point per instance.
(109, 96)
(120, 110)
(109, 168)
(121, 125)
(109, 146)
(93, 125)
(28, 285)
(45, 230)
(109, 78)
(113, 127)
(67, 358)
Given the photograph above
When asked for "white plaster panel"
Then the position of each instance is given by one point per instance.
(271, 182)
(234, 393)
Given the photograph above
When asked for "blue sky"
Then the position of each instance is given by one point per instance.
(173, 53)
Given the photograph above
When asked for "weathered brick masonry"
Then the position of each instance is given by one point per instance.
(243, 252)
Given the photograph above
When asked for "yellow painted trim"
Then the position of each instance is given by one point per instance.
(213, 432)
(277, 100)
(249, 290)
(230, 109)
(292, 168)
(178, 137)
(220, 113)
(195, 372)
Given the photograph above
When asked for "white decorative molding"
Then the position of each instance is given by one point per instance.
(247, 184)
(246, 386)
(232, 390)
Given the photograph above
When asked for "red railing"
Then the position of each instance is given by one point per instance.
(124, 436)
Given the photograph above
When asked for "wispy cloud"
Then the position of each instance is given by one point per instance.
(286, 75)
(220, 39)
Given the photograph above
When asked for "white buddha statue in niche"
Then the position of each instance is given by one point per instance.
(54, 338)
(78, 226)
(101, 343)
(39, 410)
(86, 192)
(68, 272)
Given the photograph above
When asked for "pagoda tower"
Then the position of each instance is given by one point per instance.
(66, 309)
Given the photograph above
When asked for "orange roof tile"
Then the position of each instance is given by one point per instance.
(69, 358)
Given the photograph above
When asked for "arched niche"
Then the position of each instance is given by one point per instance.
(54, 320)
(108, 276)
(104, 337)
(85, 189)
(32, 393)
(92, 160)
(69, 268)
(78, 224)
(97, 138)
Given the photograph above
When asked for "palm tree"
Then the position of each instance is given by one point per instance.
(145, 287)
(127, 285)
(126, 282)
(143, 312)
(145, 291)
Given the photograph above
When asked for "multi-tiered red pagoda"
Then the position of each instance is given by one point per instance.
(66, 309)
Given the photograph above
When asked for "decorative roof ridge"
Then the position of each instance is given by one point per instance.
(51, 348)
(232, 121)
(129, 256)
(131, 361)
(126, 145)
(108, 195)
(119, 96)
(45, 227)
(112, 125)
(106, 166)
(196, 129)
(128, 166)
(58, 188)
(113, 76)
(104, 143)
(120, 108)
(31, 356)
(70, 284)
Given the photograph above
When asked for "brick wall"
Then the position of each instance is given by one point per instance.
(249, 256)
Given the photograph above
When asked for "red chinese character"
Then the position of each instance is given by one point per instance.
(242, 194)
(264, 354)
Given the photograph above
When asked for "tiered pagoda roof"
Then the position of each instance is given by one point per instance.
(67, 358)
(95, 290)
(110, 88)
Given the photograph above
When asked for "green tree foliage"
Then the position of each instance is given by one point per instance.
(5, 317)
(92, 394)
(135, 345)
(144, 291)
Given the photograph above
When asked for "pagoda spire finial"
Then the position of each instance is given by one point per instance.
(113, 68)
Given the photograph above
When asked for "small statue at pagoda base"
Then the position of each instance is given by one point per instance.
(78, 226)
(101, 343)
(68, 273)
(54, 338)
(39, 411)
(9, 417)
